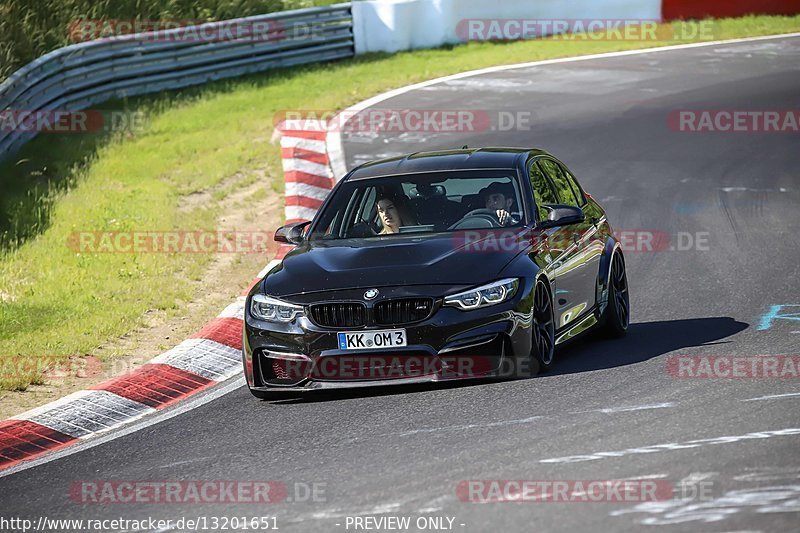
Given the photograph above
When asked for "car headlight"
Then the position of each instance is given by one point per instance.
(274, 310)
(492, 294)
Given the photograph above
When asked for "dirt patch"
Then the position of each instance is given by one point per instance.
(249, 207)
(197, 199)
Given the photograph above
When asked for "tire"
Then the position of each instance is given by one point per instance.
(617, 315)
(543, 330)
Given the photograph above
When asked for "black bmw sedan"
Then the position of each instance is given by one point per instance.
(434, 266)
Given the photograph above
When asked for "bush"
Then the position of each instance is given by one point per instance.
(29, 29)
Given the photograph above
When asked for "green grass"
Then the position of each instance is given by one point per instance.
(56, 302)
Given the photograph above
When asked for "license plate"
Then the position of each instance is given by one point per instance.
(369, 340)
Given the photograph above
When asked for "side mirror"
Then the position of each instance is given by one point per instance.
(562, 215)
(291, 233)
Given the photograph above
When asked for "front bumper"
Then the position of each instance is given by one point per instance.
(449, 345)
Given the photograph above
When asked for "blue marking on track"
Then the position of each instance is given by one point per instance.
(776, 313)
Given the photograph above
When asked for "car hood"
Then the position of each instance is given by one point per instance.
(446, 259)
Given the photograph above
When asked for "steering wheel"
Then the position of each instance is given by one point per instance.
(361, 230)
(469, 220)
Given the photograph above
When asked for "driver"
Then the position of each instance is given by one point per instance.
(393, 214)
(499, 198)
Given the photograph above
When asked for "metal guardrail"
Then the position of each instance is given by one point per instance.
(81, 75)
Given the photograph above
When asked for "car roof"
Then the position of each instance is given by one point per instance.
(465, 159)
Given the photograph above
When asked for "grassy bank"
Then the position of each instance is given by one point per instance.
(55, 302)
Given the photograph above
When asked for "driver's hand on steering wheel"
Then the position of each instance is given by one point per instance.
(503, 216)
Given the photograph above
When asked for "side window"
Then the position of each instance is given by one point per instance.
(367, 211)
(575, 187)
(334, 223)
(542, 192)
(358, 210)
(563, 189)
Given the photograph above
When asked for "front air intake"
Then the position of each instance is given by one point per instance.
(402, 311)
(339, 315)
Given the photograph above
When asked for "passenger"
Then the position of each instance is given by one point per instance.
(499, 199)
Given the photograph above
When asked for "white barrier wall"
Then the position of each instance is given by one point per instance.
(394, 25)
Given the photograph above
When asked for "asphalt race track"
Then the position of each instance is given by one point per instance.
(727, 202)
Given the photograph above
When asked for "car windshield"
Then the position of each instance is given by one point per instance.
(421, 203)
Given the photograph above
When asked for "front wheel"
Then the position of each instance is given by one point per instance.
(543, 326)
(618, 311)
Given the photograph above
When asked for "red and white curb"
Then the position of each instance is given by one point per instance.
(207, 358)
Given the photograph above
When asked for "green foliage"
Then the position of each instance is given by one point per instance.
(31, 28)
